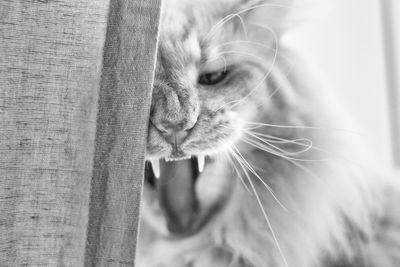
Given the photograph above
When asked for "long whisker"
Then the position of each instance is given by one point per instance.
(217, 57)
(332, 154)
(243, 26)
(236, 102)
(307, 148)
(226, 104)
(245, 42)
(262, 209)
(269, 71)
(299, 141)
(284, 126)
(222, 22)
(255, 125)
(276, 139)
(240, 53)
(262, 46)
(296, 163)
(270, 140)
(307, 143)
(227, 18)
(229, 157)
(271, 150)
(245, 162)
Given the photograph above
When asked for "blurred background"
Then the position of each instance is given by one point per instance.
(356, 47)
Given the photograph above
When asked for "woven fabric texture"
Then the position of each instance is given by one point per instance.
(75, 89)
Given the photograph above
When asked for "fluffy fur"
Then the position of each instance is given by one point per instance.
(267, 124)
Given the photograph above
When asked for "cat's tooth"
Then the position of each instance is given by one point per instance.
(155, 164)
(200, 163)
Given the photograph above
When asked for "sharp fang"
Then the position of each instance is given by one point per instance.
(200, 163)
(155, 164)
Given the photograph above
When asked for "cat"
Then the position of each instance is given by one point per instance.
(250, 162)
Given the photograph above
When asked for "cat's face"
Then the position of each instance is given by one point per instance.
(210, 82)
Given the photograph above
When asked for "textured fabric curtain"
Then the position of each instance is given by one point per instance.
(75, 89)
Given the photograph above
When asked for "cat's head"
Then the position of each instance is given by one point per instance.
(213, 62)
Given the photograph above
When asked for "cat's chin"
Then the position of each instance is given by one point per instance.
(180, 195)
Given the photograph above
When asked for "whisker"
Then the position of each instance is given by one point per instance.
(246, 163)
(307, 148)
(228, 156)
(272, 94)
(245, 42)
(236, 102)
(303, 127)
(276, 139)
(240, 53)
(315, 148)
(284, 126)
(243, 26)
(227, 18)
(269, 71)
(296, 163)
(222, 22)
(262, 210)
(217, 57)
(258, 125)
(270, 150)
(298, 141)
(308, 144)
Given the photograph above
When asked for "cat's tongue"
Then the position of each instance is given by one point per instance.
(176, 194)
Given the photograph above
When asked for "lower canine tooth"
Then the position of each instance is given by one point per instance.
(200, 163)
(155, 164)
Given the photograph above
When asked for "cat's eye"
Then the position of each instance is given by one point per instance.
(212, 78)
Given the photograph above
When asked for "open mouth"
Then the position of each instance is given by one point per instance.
(174, 180)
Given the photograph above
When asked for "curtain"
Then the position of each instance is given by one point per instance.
(75, 90)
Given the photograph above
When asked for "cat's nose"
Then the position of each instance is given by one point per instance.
(174, 112)
(175, 132)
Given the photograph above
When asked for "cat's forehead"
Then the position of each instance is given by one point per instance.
(207, 5)
(181, 32)
(179, 53)
(179, 16)
(185, 25)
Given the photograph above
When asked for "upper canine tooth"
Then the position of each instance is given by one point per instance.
(155, 164)
(200, 163)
